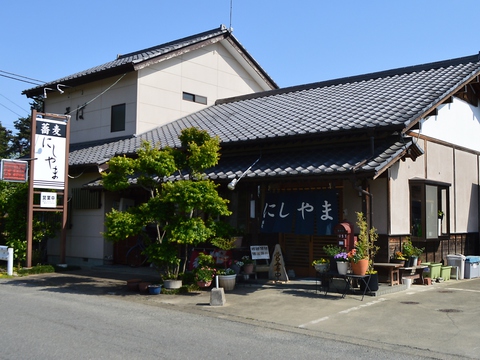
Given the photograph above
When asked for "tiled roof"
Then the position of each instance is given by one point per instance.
(129, 62)
(321, 161)
(337, 159)
(392, 100)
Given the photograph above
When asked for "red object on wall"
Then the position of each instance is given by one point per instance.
(344, 233)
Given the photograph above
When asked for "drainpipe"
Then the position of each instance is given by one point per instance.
(370, 200)
(359, 188)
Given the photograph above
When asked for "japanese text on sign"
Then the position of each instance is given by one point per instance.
(303, 212)
(50, 153)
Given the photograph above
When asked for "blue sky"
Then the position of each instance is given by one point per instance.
(296, 42)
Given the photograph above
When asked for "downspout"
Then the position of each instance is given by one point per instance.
(359, 188)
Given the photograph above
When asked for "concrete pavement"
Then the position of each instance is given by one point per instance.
(440, 321)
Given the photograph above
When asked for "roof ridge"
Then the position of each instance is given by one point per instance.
(221, 29)
(354, 78)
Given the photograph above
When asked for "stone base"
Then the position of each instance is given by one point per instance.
(217, 297)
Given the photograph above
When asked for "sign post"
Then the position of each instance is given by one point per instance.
(50, 140)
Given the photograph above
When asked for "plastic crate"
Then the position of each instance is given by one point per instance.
(435, 270)
(445, 272)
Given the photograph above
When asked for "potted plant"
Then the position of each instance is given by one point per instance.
(398, 258)
(205, 271)
(332, 250)
(373, 282)
(204, 276)
(362, 255)
(226, 278)
(321, 265)
(411, 252)
(341, 261)
(247, 264)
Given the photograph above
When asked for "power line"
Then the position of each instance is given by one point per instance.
(21, 78)
(11, 110)
(21, 108)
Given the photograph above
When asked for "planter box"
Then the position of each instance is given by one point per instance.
(435, 270)
(445, 272)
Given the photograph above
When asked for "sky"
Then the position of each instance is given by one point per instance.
(295, 41)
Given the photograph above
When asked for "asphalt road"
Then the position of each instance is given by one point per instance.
(82, 316)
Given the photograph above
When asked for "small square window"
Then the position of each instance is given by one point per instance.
(118, 118)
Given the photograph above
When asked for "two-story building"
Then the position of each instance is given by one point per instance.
(135, 93)
(398, 145)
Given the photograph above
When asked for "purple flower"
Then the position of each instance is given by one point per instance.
(341, 256)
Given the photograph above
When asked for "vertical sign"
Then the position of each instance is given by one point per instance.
(50, 150)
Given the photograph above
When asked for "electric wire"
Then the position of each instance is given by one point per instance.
(21, 78)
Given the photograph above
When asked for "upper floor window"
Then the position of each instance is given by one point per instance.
(195, 98)
(429, 204)
(118, 118)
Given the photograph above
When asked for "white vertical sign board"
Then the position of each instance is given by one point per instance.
(50, 150)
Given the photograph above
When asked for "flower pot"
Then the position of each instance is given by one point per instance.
(172, 284)
(342, 267)
(372, 284)
(360, 267)
(204, 284)
(412, 261)
(227, 282)
(321, 268)
(154, 289)
(248, 268)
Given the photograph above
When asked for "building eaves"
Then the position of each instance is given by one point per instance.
(335, 160)
(328, 161)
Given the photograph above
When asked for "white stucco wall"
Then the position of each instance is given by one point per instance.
(211, 72)
(399, 174)
(457, 123)
(95, 124)
(153, 95)
(465, 199)
(84, 239)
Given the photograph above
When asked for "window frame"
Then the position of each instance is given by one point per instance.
(427, 198)
(117, 119)
(199, 99)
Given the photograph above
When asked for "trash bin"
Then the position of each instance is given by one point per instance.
(459, 261)
(472, 267)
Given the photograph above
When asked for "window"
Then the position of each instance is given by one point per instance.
(429, 204)
(195, 98)
(118, 118)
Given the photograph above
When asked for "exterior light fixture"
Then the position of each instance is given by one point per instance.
(231, 185)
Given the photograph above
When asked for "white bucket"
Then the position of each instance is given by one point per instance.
(407, 282)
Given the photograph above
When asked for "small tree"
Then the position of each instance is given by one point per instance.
(183, 203)
(367, 239)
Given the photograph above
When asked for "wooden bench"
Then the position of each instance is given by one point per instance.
(393, 271)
